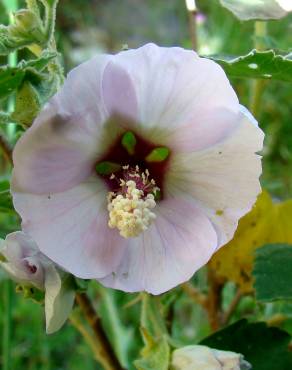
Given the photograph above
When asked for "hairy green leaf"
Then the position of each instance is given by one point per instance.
(273, 272)
(155, 354)
(258, 64)
(254, 9)
(11, 78)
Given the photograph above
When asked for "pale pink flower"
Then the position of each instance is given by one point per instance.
(121, 109)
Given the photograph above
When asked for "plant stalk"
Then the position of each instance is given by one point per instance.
(103, 350)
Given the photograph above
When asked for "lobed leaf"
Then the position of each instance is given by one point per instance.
(258, 64)
(11, 78)
(156, 353)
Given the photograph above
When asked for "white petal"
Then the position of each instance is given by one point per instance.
(71, 228)
(224, 179)
(59, 299)
(176, 90)
(60, 149)
(179, 242)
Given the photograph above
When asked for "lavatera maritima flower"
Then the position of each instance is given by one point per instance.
(139, 169)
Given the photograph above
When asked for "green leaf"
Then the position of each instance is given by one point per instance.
(257, 64)
(155, 355)
(266, 348)
(273, 272)
(254, 9)
(11, 78)
(120, 336)
(151, 316)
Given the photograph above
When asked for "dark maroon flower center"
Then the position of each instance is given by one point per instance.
(131, 154)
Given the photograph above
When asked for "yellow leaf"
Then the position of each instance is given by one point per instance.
(267, 222)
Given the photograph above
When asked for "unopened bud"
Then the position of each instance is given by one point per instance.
(205, 358)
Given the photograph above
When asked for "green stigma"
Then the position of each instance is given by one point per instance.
(107, 168)
(158, 155)
(129, 142)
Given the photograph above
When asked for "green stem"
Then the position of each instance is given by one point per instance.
(257, 86)
(12, 6)
(50, 20)
(7, 302)
(6, 150)
(33, 6)
(104, 352)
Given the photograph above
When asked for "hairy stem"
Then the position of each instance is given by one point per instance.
(213, 304)
(257, 86)
(193, 29)
(33, 6)
(50, 20)
(6, 150)
(103, 350)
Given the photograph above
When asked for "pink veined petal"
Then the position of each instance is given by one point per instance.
(184, 101)
(71, 228)
(179, 242)
(60, 149)
(224, 179)
(119, 93)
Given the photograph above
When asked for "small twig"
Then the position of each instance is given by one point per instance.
(105, 352)
(195, 294)
(193, 29)
(214, 301)
(7, 152)
(228, 314)
(258, 86)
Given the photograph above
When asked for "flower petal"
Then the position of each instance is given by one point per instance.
(71, 228)
(59, 298)
(223, 179)
(180, 93)
(118, 92)
(179, 242)
(61, 147)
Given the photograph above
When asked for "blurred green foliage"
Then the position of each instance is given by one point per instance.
(83, 29)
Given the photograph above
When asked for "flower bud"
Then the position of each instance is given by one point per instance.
(27, 25)
(22, 260)
(205, 358)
